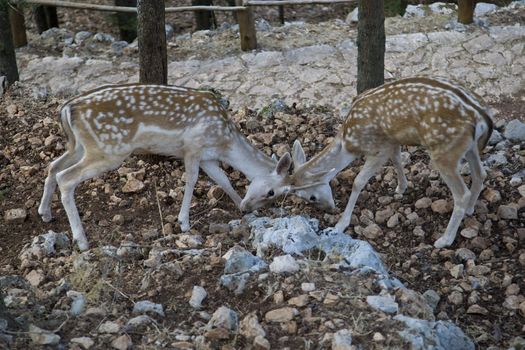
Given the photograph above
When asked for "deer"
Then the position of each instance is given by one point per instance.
(450, 122)
(105, 126)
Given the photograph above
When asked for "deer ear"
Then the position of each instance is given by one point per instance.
(274, 156)
(298, 155)
(320, 176)
(284, 165)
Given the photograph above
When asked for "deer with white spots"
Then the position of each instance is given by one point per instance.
(107, 125)
(439, 115)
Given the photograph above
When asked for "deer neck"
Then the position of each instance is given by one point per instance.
(246, 158)
(334, 156)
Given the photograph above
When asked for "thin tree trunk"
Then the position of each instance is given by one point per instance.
(466, 11)
(45, 18)
(203, 19)
(246, 28)
(370, 45)
(8, 66)
(127, 22)
(281, 14)
(152, 42)
(18, 27)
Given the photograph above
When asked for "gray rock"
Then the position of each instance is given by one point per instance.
(145, 306)
(405, 42)
(137, 322)
(465, 254)
(515, 131)
(235, 282)
(432, 298)
(310, 54)
(385, 303)
(40, 336)
(495, 138)
(80, 37)
(262, 25)
(109, 327)
(483, 8)
(284, 264)
(169, 31)
(83, 342)
(442, 8)
(118, 47)
(224, 317)
(241, 260)
(129, 250)
(78, 302)
(104, 38)
(496, 159)
(440, 335)
(3, 85)
(197, 296)
(342, 340)
(15, 215)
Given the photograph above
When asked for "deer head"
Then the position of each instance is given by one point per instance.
(312, 187)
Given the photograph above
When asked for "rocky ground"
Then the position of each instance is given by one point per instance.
(224, 284)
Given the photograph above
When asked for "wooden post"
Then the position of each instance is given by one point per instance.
(45, 18)
(466, 11)
(153, 60)
(8, 65)
(246, 28)
(18, 28)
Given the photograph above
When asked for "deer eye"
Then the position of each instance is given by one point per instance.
(271, 193)
(313, 198)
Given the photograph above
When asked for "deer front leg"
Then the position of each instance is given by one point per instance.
(402, 182)
(371, 166)
(213, 170)
(461, 196)
(191, 164)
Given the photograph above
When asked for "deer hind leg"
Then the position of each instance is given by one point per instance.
(478, 175)
(402, 182)
(191, 165)
(213, 170)
(63, 162)
(68, 179)
(371, 166)
(450, 174)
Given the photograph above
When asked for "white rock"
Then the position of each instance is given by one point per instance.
(385, 303)
(109, 327)
(84, 342)
(353, 17)
(250, 327)
(483, 8)
(145, 306)
(414, 11)
(342, 340)
(197, 296)
(307, 287)
(284, 264)
(122, 343)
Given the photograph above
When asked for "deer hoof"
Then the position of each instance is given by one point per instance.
(442, 243)
(82, 244)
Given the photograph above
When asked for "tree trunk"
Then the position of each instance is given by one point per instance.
(203, 19)
(466, 11)
(127, 22)
(152, 42)
(370, 45)
(8, 66)
(45, 18)
(18, 27)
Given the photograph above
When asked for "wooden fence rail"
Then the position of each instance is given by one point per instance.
(243, 9)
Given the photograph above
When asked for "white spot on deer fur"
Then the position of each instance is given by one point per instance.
(451, 130)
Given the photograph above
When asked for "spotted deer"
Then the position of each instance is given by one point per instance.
(107, 125)
(443, 117)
